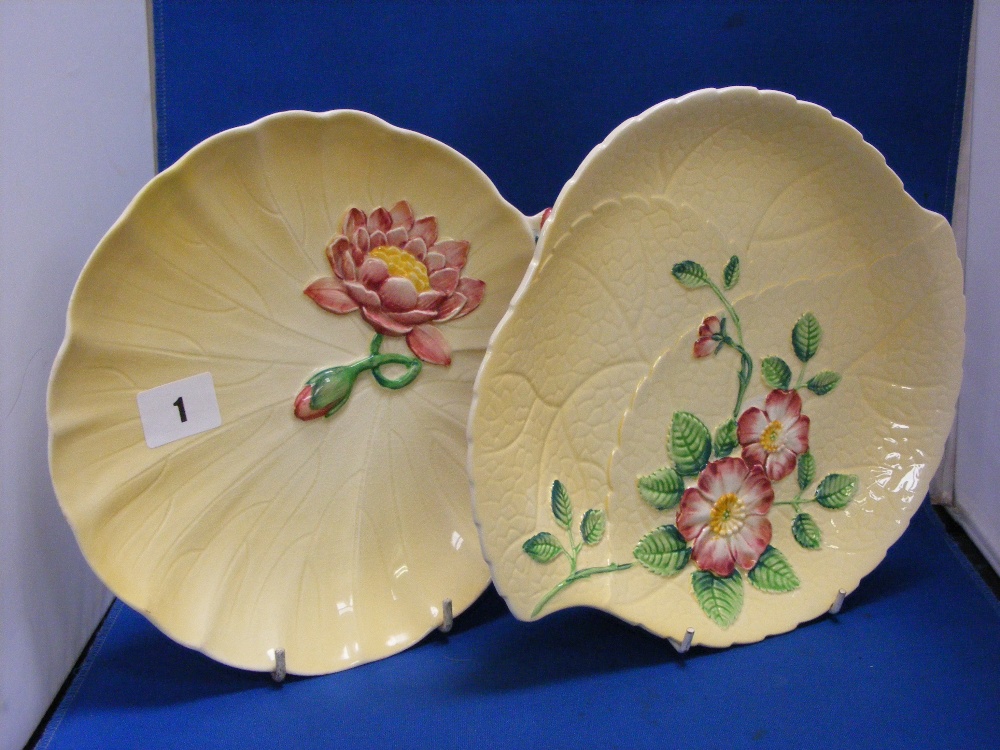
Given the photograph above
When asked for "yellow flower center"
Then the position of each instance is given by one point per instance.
(403, 265)
(727, 515)
(770, 436)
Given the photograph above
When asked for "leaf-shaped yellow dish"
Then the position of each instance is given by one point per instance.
(336, 539)
(723, 391)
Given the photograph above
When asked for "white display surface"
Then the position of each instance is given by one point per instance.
(977, 503)
(76, 143)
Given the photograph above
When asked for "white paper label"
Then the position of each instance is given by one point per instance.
(179, 409)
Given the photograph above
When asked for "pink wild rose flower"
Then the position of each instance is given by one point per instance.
(775, 436)
(706, 343)
(724, 515)
(391, 267)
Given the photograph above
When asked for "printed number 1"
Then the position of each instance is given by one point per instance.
(179, 403)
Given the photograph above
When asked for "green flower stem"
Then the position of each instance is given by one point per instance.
(729, 309)
(745, 373)
(802, 377)
(796, 501)
(377, 360)
(573, 577)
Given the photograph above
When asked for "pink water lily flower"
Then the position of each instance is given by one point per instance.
(391, 266)
(775, 436)
(724, 515)
(706, 343)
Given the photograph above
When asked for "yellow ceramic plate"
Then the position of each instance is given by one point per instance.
(337, 539)
(722, 393)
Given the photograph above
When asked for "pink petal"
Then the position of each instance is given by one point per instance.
(693, 514)
(338, 244)
(361, 243)
(751, 426)
(444, 280)
(353, 219)
(427, 229)
(756, 494)
(749, 543)
(723, 477)
(382, 323)
(377, 239)
(364, 297)
(413, 317)
(709, 326)
(455, 251)
(711, 552)
(473, 290)
(783, 406)
(795, 436)
(416, 247)
(429, 344)
(380, 220)
(450, 307)
(434, 262)
(430, 300)
(704, 346)
(343, 265)
(780, 464)
(402, 215)
(302, 409)
(373, 272)
(754, 454)
(398, 294)
(329, 294)
(396, 237)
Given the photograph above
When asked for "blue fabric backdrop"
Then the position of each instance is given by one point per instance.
(525, 90)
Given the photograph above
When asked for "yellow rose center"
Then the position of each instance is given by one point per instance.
(403, 265)
(770, 436)
(727, 515)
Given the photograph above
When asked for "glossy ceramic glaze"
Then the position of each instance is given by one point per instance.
(723, 391)
(336, 539)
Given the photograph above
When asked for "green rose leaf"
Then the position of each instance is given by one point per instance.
(806, 531)
(807, 469)
(690, 443)
(823, 382)
(720, 598)
(543, 547)
(562, 508)
(777, 374)
(836, 490)
(725, 440)
(806, 336)
(731, 274)
(663, 551)
(690, 274)
(592, 526)
(773, 573)
(662, 489)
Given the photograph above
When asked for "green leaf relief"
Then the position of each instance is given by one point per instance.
(720, 598)
(690, 274)
(562, 508)
(690, 444)
(806, 336)
(663, 551)
(725, 440)
(543, 547)
(836, 490)
(662, 489)
(592, 526)
(806, 469)
(731, 274)
(823, 382)
(773, 573)
(776, 372)
(806, 531)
